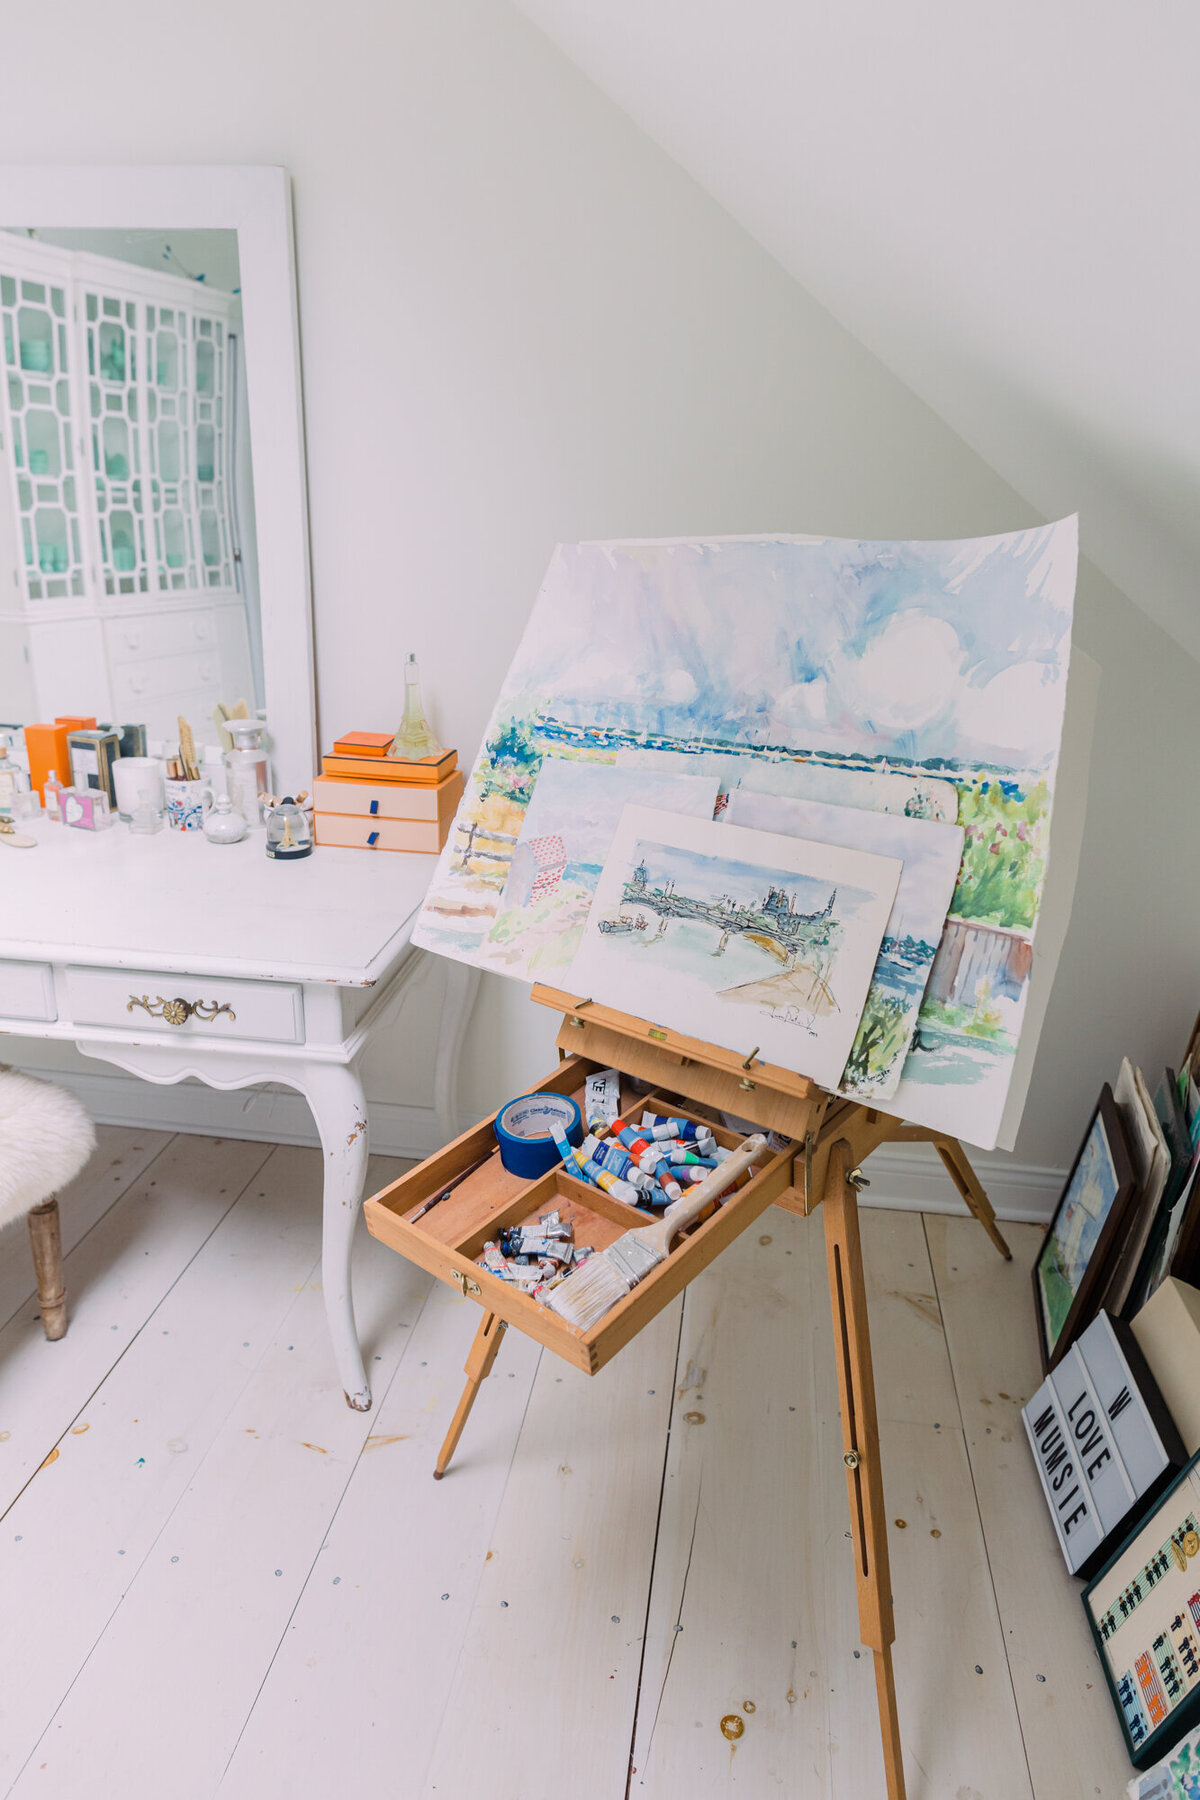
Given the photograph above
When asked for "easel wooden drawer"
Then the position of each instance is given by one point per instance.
(449, 1238)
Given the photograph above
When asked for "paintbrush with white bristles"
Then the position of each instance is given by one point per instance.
(608, 1275)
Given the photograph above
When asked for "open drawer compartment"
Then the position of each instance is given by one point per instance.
(450, 1237)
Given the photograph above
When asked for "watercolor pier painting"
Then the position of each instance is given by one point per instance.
(743, 938)
(851, 663)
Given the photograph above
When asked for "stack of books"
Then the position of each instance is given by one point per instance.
(365, 799)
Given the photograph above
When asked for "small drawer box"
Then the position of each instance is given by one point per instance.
(389, 800)
(450, 1237)
(349, 831)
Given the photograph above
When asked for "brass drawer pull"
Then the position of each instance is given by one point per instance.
(178, 1012)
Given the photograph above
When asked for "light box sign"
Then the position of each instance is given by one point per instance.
(1103, 1441)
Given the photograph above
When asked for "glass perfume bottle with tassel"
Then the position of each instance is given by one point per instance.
(415, 739)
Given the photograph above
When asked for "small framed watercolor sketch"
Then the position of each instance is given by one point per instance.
(1069, 1270)
(1144, 1612)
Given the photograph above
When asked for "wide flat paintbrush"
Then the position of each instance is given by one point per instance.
(610, 1274)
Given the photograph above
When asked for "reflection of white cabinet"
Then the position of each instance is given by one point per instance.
(120, 590)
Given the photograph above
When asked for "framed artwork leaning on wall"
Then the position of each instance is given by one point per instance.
(1087, 1223)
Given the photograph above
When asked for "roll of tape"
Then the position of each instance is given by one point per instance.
(525, 1130)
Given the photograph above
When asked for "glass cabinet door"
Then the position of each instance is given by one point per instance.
(37, 376)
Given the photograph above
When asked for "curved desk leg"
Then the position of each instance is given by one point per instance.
(462, 985)
(335, 1094)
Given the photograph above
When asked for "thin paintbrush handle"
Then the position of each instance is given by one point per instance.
(681, 1212)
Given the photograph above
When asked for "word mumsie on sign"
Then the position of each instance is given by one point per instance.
(1103, 1441)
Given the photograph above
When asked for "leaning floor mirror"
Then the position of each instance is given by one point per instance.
(153, 532)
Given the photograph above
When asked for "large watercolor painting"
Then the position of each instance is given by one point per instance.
(746, 939)
(930, 853)
(941, 662)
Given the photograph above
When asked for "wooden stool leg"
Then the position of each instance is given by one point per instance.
(860, 1440)
(46, 1238)
(955, 1163)
(479, 1367)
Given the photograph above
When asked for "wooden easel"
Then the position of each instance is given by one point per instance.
(837, 1136)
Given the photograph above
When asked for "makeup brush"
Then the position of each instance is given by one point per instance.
(608, 1275)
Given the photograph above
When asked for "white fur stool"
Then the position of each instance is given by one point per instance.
(45, 1139)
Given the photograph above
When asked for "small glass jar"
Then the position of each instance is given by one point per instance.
(146, 817)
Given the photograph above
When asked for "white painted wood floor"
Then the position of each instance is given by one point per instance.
(216, 1579)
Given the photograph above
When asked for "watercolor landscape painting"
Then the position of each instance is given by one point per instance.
(743, 938)
(940, 662)
(930, 853)
(565, 836)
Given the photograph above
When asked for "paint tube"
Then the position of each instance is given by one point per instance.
(493, 1259)
(516, 1242)
(592, 1172)
(659, 1127)
(618, 1162)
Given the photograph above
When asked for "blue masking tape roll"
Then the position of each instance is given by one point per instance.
(526, 1128)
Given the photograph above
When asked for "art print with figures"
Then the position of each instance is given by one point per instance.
(861, 670)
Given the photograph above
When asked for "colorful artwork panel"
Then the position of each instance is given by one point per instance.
(942, 663)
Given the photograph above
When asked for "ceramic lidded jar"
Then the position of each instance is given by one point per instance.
(224, 824)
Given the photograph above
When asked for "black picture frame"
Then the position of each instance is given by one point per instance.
(1183, 1571)
(1103, 1141)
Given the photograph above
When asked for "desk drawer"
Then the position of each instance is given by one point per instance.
(448, 1239)
(134, 1000)
(26, 990)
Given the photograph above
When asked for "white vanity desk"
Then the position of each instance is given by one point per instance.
(294, 966)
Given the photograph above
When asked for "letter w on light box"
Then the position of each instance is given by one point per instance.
(745, 939)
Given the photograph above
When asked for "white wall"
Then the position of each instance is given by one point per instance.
(522, 323)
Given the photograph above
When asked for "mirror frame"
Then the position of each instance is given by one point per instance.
(256, 202)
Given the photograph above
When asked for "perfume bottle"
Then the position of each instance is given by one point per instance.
(247, 766)
(146, 818)
(52, 787)
(13, 780)
(415, 739)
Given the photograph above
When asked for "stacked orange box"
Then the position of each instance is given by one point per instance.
(368, 800)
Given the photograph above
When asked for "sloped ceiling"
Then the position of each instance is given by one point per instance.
(1001, 201)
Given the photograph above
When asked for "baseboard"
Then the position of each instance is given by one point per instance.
(906, 1177)
(268, 1114)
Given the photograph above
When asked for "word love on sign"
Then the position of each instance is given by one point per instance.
(1103, 1441)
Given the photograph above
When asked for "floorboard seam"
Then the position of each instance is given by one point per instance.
(118, 1360)
(662, 1494)
(435, 1736)
(381, 1402)
(150, 1548)
(987, 1554)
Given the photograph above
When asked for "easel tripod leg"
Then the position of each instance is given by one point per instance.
(860, 1441)
(478, 1368)
(963, 1176)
